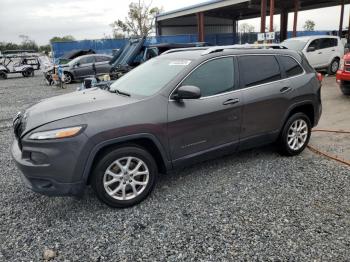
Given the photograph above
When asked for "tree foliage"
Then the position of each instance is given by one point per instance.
(138, 23)
(66, 38)
(309, 25)
(246, 28)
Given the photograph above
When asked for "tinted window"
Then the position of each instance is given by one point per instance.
(328, 42)
(102, 58)
(214, 77)
(291, 66)
(258, 69)
(87, 60)
(315, 44)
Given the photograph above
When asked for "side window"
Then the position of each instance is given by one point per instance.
(259, 69)
(214, 77)
(328, 43)
(315, 43)
(291, 66)
(102, 58)
(87, 60)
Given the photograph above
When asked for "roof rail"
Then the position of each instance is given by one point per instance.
(175, 50)
(216, 49)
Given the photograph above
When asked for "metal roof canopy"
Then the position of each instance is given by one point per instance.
(245, 9)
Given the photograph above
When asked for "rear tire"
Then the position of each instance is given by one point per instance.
(334, 66)
(3, 75)
(124, 177)
(295, 135)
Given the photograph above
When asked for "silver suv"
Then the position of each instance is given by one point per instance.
(174, 110)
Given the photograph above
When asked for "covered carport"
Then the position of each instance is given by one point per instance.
(222, 16)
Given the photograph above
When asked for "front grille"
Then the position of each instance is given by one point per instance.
(347, 68)
(18, 128)
(347, 62)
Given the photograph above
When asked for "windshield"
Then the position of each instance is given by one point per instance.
(297, 45)
(150, 77)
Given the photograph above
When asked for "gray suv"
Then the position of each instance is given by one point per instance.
(174, 110)
(85, 66)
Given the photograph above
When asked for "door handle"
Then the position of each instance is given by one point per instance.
(231, 101)
(320, 53)
(286, 89)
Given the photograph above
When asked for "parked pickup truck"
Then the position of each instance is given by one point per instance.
(343, 75)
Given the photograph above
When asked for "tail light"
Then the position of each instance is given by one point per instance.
(319, 77)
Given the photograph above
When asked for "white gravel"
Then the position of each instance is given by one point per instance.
(255, 205)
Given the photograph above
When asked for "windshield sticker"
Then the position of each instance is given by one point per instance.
(180, 63)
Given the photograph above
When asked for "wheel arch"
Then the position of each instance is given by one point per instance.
(146, 141)
(306, 107)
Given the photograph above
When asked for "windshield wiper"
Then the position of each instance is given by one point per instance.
(119, 92)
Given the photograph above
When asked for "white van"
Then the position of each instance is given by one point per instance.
(322, 51)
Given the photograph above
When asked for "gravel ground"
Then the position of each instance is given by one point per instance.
(255, 205)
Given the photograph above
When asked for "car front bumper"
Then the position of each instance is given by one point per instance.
(53, 177)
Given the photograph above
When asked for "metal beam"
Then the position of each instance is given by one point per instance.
(284, 25)
(263, 16)
(272, 13)
(295, 22)
(341, 18)
(200, 26)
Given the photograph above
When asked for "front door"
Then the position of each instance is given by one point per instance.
(84, 68)
(199, 125)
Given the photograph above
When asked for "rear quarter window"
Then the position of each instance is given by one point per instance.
(291, 67)
(259, 69)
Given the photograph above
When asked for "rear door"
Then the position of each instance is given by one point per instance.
(199, 125)
(267, 97)
(327, 50)
(102, 64)
(84, 69)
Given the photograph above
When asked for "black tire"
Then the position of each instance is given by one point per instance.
(68, 78)
(334, 66)
(28, 72)
(345, 88)
(107, 163)
(3, 75)
(285, 148)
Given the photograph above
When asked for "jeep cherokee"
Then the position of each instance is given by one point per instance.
(174, 110)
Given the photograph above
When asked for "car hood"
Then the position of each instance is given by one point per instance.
(73, 104)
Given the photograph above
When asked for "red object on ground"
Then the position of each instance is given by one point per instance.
(343, 75)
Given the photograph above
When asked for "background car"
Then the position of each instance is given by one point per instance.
(343, 75)
(85, 66)
(322, 52)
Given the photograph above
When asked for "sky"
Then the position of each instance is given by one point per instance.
(90, 19)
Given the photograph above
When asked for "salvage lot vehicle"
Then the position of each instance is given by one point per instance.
(195, 105)
(86, 65)
(322, 52)
(136, 53)
(24, 64)
(343, 75)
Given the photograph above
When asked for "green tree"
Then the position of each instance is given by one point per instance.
(309, 25)
(66, 38)
(140, 21)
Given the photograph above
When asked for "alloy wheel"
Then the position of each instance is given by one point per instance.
(126, 178)
(297, 134)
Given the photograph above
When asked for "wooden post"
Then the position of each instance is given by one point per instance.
(263, 16)
(295, 22)
(200, 25)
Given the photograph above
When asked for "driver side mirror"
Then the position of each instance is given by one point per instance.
(187, 92)
(77, 64)
(311, 49)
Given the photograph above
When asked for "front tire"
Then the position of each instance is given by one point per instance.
(68, 78)
(295, 135)
(124, 177)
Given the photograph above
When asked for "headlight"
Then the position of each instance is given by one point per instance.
(56, 134)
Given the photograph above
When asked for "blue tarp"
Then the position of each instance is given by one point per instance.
(106, 46)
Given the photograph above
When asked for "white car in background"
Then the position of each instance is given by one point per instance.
(322, 52)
